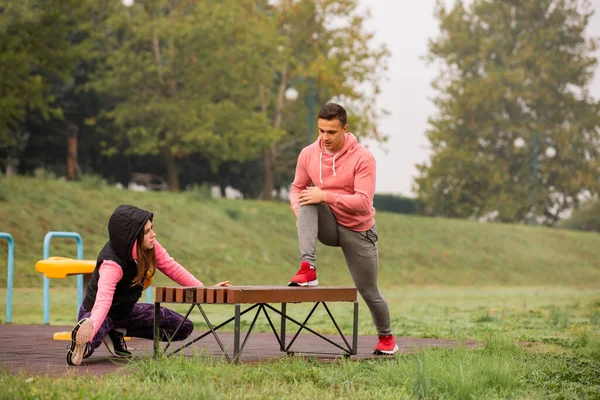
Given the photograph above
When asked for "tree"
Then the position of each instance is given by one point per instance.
(37, 48)
(326, 52)
(512, 71)
(183, 77)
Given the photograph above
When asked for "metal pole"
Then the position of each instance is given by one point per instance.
(236, 334)
(534, 157)
(9, 275)
(355, 330)
(77, 237)
(156, 330)
(283, 314)
(310, 102)
(80, 276)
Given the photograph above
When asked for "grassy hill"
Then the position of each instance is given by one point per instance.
(253, 242)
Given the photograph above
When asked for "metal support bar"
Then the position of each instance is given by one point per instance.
(251, 327)
(47, 238)
(156, 329)
(336, 326)
(309, 329)
(283, 319)
(9, 274)
(238, 349)
(318, 353)
(302, 326)
(236, 333)
(178, 326)
(281, 345)
(216, 328)
(355, 330)
(215, 333)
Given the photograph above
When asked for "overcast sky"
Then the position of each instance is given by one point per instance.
(405, 26)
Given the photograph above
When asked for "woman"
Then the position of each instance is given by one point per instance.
(124, 268)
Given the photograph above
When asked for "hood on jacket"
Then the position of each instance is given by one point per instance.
(349, 142)
(124, 226)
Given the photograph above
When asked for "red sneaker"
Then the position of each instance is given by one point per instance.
(386, 346)
(306, 276)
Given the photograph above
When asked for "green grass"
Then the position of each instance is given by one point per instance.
(254, 242)
(519, 313)
(499, 370)
(558, 356)
(523, 313)
(499, 284)
(294, 379)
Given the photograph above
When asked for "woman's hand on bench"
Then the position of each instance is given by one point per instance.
(224, 283)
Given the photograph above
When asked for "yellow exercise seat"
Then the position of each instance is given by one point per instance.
(61, 267)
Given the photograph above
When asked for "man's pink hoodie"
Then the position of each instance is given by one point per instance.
(347, 176)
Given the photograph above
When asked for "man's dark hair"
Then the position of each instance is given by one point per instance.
(331, 111)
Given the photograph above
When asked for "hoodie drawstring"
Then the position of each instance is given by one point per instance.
(333, 168)
(321, 167)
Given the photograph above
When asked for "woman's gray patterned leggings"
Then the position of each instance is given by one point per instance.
(316, 221)
(140, 323)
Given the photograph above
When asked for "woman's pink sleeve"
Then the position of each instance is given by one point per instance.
(171, 268)
(110, 274)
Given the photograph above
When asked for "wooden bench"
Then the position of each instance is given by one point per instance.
(260, 298)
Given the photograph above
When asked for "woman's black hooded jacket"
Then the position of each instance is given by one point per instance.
(124, 226)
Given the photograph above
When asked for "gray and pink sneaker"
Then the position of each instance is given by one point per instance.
(80, 347)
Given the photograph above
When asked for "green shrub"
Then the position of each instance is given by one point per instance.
(200, 193)
(92, 181)
(233, 213)
(397, 204)
(586, 218)
(42, 173)
(3, 192)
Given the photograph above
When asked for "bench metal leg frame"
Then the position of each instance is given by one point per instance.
(348, 350)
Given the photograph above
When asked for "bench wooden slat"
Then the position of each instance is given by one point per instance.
(221, 295)
(179, 295)
(287, 294)
(169, 294)
(190, 295)
(200, 295)
(210, 295)
(160, 294)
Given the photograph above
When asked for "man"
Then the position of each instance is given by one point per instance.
(338, 210)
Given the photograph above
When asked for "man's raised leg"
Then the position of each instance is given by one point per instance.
(315, 221)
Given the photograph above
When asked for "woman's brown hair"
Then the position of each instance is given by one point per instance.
(146, 262)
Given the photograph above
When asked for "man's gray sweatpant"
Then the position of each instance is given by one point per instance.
(316, 221)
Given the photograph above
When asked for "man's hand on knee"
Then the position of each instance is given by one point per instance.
(312, 195)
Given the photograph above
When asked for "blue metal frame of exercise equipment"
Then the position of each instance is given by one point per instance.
(9, 274)
(70, 235)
